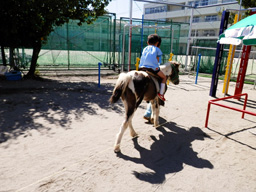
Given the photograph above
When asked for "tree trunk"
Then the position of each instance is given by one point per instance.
(3, 55)
(11, 59)
(36, 51)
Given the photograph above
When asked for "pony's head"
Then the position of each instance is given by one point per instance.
(171, 70)
(174, 77)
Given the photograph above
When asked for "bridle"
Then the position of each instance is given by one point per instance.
(174, 77)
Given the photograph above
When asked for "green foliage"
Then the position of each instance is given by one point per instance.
(248, 3)
(25, 22)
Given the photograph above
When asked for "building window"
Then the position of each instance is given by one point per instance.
(196, 19)
(212, 2)
(194, 33)
(204, 2)
(227, 1)
(156, 10)
(210, 18)
(209, 33)
(190, 3)
(147, 11)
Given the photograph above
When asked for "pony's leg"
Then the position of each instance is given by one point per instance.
(132, 131)
(120, 135)
(152, 113)
(129, 110)
(155, 110)
(156, 120)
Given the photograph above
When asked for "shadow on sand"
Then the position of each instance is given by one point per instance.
(50, 100)
(168, 153)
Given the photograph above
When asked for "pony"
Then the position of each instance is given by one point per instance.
(135, 86)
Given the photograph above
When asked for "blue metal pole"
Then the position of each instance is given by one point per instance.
(142, 34)
(198, 66)
(99, 64)
(218, 55)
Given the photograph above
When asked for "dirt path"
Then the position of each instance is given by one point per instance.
(58, 135)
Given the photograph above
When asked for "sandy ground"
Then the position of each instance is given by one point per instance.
(58, 135)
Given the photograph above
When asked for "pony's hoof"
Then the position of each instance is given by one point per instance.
(117, 149)
(156, 125)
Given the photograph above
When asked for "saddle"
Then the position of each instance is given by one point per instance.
(150, 72)
(156, 79)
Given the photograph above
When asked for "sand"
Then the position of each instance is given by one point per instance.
(58, 135)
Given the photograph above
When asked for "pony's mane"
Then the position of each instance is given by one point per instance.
(166, 68)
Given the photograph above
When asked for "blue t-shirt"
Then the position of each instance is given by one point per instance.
(149, 57)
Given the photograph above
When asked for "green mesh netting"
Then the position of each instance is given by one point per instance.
(207, 49)
(72, 46)
(174, 39)
(80, 46)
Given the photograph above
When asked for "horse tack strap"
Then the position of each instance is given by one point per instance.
(150, 72)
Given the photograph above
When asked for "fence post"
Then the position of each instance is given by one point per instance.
(99, 64)
(198, 66)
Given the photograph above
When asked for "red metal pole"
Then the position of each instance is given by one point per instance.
(245, 102)
(207, 115)
(228, 107)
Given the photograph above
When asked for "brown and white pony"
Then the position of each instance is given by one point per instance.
(135, 86)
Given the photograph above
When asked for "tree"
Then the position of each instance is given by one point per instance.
(27, 23)
(247, 3)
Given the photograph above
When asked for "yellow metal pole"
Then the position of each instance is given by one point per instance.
(137, 63)
(171, 55)
(231, 54)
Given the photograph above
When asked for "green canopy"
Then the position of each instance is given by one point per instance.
(243, 31)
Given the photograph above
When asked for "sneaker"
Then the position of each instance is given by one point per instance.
(161, 97)
(146, 117)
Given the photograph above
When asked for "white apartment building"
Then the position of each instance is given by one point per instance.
(206, 18)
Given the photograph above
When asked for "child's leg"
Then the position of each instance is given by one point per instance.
(147, 114)
(162, 87)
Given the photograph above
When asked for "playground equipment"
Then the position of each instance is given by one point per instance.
(207, 61)
(213, 102)
(137, 63)
(198, 65)
(171, 55)
(231, 54)
(241, 74)
(170, 59)
(235, 40)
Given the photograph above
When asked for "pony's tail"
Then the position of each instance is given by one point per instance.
(120, 86)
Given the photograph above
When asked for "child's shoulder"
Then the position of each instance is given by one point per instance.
(151, 47)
